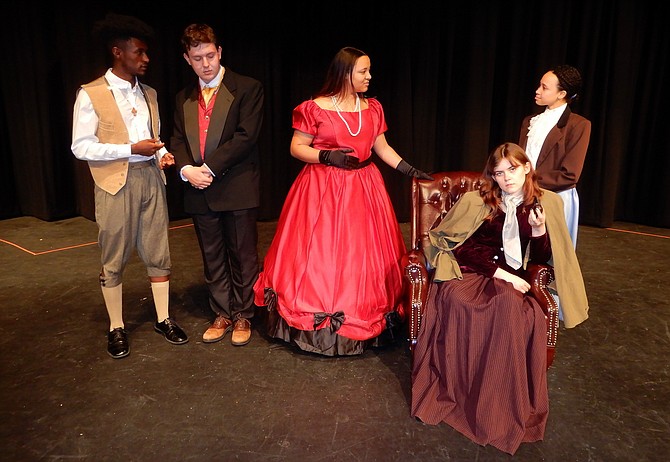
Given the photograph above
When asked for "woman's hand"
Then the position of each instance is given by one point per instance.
(536, 219)
(519, 283)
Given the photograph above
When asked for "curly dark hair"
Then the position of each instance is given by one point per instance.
(570, 80)
(195, 34)
(118, 27)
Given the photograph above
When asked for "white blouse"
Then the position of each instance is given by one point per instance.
(539, 129)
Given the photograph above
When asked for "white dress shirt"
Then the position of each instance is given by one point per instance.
(134, 111)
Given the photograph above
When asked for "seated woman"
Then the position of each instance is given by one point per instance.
(480, 361)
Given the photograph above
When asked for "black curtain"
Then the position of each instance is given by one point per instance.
(455, 81)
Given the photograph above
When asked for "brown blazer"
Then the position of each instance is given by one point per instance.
(562, 156)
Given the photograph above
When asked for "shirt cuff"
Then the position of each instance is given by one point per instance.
(210, 170)
(182, 169)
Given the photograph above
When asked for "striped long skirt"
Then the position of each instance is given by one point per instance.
(480, 362)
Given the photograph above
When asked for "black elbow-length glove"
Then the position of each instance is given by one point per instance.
(338, 158)
(404, 167)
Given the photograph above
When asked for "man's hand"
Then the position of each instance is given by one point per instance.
(166, 161)
(147, 147)
(198, 177)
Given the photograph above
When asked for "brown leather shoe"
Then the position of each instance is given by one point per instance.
(241, 332)
(219, 328)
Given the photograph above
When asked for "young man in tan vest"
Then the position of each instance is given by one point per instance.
(116, 128)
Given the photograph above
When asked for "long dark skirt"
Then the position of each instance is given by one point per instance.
(480, 362)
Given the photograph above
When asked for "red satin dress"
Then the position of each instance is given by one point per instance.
(331, 279)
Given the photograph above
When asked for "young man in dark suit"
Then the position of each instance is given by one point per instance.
(217, 122)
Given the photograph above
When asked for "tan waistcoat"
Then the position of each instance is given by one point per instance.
(111, 175)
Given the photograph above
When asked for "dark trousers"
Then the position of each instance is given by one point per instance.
(229, 245)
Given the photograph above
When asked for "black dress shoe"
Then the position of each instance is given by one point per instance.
(171, 331)
(117, 343)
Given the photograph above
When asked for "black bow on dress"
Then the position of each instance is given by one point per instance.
(336, 319)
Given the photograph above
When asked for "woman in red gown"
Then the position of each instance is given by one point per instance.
(331, 279)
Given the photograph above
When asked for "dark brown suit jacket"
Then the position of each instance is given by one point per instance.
(562, 156)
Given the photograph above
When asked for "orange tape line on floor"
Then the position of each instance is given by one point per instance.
(70, 246)
(637, 232)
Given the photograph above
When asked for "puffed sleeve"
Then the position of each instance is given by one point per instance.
(378, 118)
(304, 117)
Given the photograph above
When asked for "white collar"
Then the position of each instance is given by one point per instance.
(214, 83)
(555, 113)
(117, 82)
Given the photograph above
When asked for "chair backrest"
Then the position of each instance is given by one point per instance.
(432, 199)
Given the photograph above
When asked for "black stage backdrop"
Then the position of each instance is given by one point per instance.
(455, 81)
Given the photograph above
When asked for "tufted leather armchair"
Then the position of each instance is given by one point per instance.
(431, 200)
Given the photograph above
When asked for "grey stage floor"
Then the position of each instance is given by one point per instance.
(62, 398)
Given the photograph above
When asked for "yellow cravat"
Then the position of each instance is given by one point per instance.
(207, 93)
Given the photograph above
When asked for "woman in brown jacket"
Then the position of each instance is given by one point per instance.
(556, 140)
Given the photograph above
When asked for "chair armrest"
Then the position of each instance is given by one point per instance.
(539, 277)
(417, 279)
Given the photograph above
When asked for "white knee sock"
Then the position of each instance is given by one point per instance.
(161, 292)
(113, 301)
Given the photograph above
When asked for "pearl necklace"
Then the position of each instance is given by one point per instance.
(358, 108)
